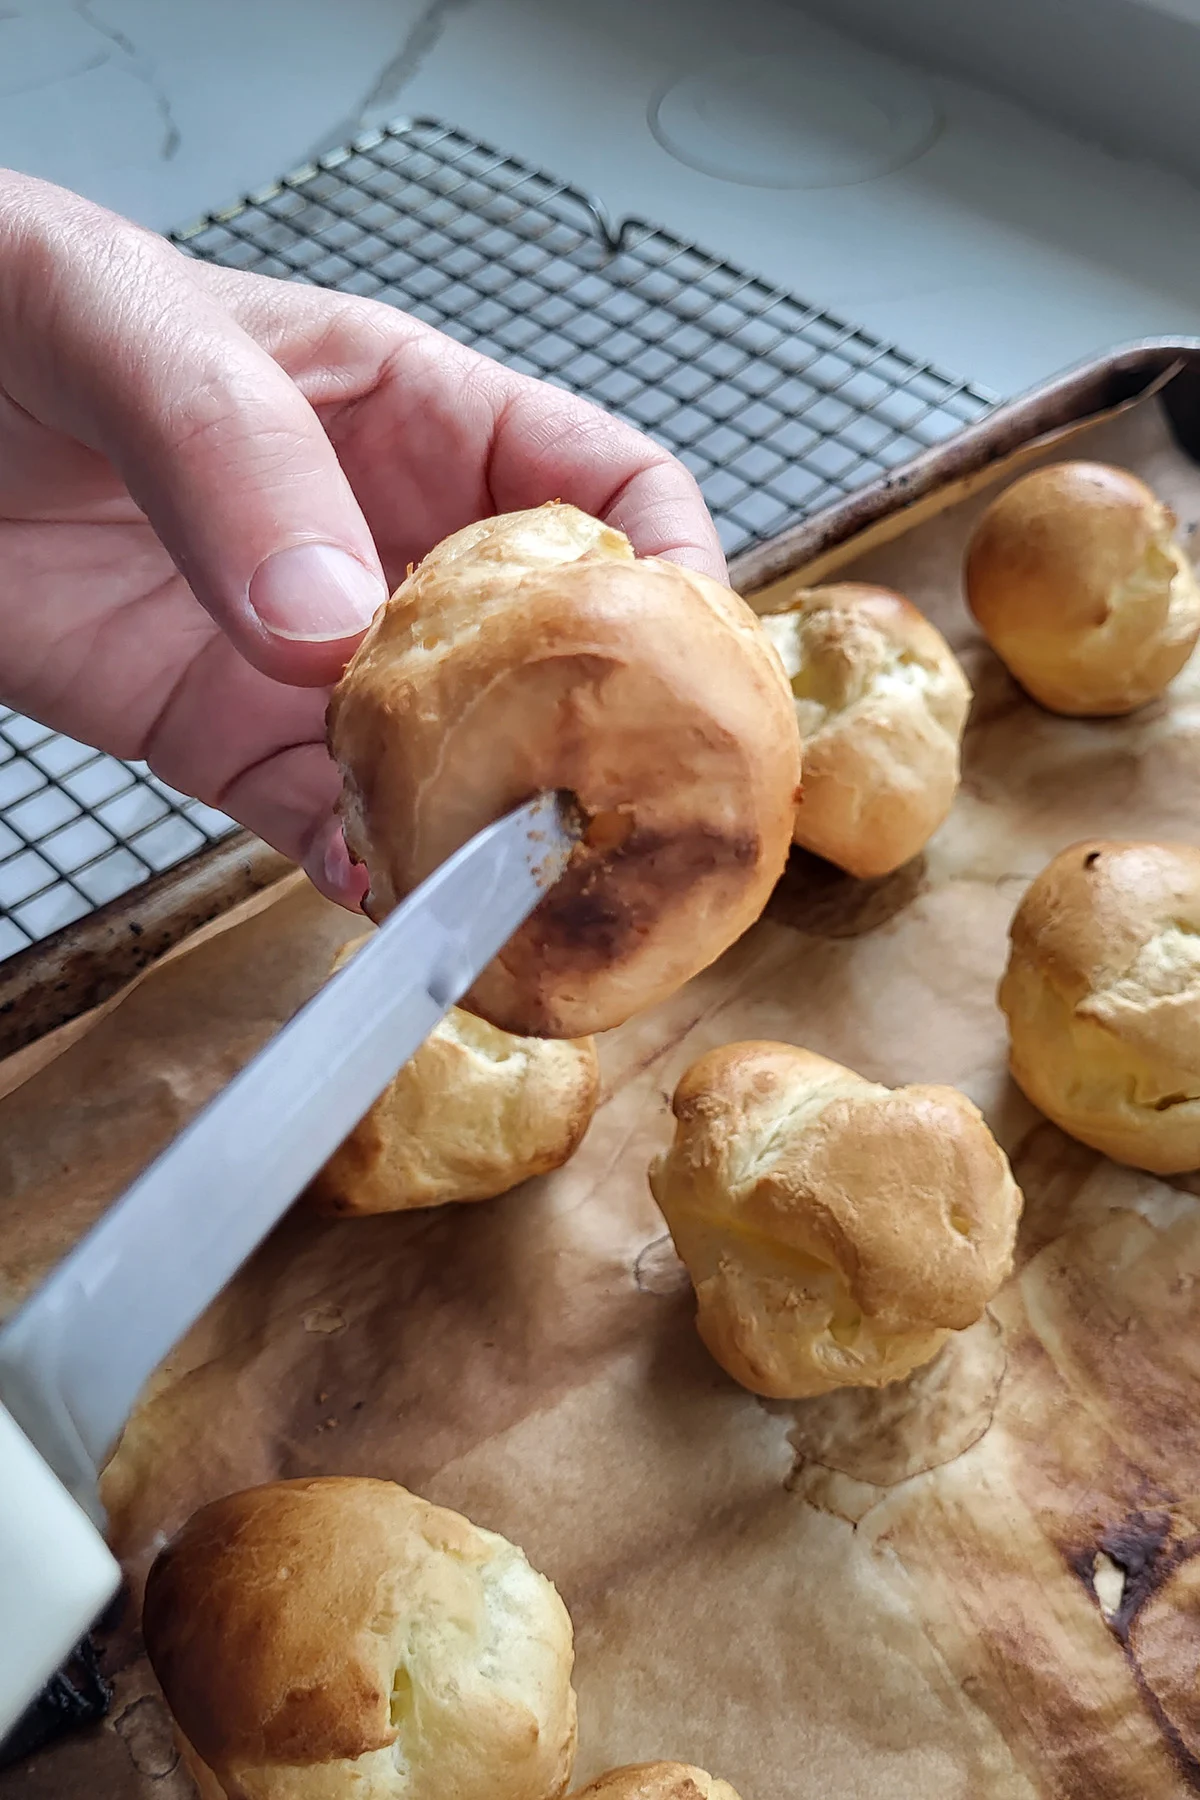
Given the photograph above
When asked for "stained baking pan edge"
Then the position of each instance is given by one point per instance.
(1087, 392)
(86, 963)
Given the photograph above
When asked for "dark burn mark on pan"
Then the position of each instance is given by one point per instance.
(1142, 1548)
(607, 901)
(815, 897)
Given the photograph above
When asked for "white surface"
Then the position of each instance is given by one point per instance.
(839, 119)
(56, 1573)
(1006, 251)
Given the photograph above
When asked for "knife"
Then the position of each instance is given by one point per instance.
(76, 1355)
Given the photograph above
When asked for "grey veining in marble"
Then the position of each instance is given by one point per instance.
(143, 69)
(380, 101)
(1004, 252)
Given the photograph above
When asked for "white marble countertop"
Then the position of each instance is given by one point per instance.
(1005, 251)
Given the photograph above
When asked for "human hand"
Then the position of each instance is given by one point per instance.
(210, 480)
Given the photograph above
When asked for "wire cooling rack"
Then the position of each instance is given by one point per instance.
(775, 406)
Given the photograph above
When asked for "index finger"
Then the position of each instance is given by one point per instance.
(545, 439)
(434, 435)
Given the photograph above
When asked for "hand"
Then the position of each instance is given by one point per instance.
(210, 480)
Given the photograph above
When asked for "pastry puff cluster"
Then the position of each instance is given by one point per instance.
(836, 1231)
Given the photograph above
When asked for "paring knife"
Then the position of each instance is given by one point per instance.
(75, 1357)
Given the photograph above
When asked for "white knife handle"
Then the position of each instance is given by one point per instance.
(56, 1573)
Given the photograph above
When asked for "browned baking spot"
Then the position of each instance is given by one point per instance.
(887, 1435)
(1125, 1564)
(579, 920)
(605, 903)
(1146, 1581)
(813, 896)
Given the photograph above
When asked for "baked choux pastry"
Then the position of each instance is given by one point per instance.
(534, 651)
(1102, 997)
(1080, 588)
(473, 1113)
(881, 703)
(327, 1638)
(656, 1781)
(836, 1231)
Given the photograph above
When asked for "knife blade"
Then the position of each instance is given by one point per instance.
(75, 1357)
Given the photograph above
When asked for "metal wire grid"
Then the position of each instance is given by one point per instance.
(78, 828)
(775, 406)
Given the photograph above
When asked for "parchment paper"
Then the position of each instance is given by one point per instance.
(867, 1597)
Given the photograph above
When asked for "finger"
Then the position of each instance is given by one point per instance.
(435, 435)
(106, 335)
(328, 866)
(545, 440)
(288, 799)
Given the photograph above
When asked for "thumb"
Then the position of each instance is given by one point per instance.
(108, 336)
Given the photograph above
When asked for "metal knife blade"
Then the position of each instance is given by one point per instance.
(75, 1357)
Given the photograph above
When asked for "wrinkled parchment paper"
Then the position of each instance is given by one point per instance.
(974, 1584)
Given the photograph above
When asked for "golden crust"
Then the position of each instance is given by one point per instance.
(1102, 996)
(1079, 586)
(533, 652)
(319, 1637)
(474, 1113)
(881, 704)
(656, 1781)
(835, 1230)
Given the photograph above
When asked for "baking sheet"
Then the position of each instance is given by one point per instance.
(870, 1596)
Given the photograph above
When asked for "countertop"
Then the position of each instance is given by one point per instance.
(992, 244)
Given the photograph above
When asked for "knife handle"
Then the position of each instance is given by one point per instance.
(56, 1573)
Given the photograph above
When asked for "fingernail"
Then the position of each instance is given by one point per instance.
(315, 593)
